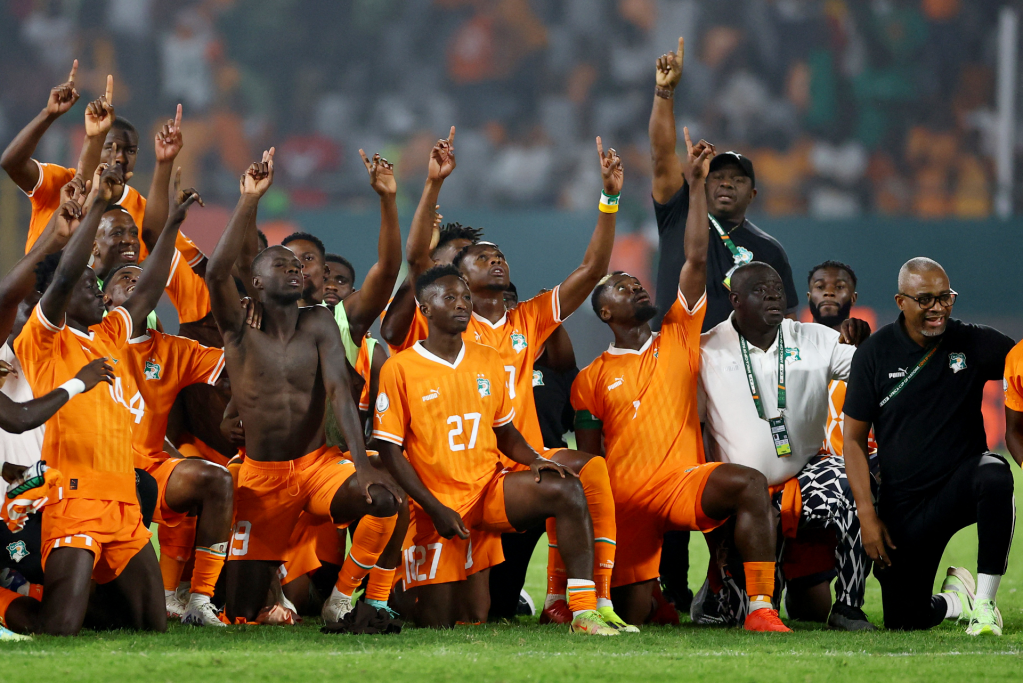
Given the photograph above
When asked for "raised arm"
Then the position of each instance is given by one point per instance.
(337, 384)
(99, 117)
(364, 305)
(76, 254)
(16, 418)
(667, 165)
(157, 270)
(420, 236)
(255, 182)
(577, 287)
(168, 144)
(17, 158)
(692, 281)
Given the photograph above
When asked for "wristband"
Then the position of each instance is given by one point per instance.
(73, 387)
(664, 93)
(608, 202)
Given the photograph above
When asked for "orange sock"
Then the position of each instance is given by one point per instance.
(759, 580)
(176, 545)
(208, 563)
(370, 539)
(603, 563)
(380, 582)
(582, 595)
(556, 574)
(170, 569)
(7, 596)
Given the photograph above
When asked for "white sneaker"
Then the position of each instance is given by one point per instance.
(201, 612)
(336, 607)
(175, 606)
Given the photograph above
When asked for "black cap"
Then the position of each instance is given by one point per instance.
(742, 162)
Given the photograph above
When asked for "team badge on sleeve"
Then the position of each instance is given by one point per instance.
(957, 361)
(152, 370)
(483, 386)
(537, 378)
(519, 342)
(382, 402)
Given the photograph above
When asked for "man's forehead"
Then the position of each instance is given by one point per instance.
(934, 281)
(117, 218)
(281, 252)
(88, 275)
(129, 271)
(833, 271)
(121, 136)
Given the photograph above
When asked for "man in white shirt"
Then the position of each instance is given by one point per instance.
(764, 390)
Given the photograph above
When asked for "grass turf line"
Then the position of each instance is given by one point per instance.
(527, 651)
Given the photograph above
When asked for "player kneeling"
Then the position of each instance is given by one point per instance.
(444, 401)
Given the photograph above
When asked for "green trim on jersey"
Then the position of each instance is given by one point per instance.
(584, 420)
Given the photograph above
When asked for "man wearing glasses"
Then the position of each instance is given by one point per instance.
(919, 381)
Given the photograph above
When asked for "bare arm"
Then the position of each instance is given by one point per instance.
(447, 522)
(400, 313)
(666, 162)
(168, 144)
(154, 276)
(424, 222)
(219, 278)
(1014, 434)
(337, 385)
(874, 533)
(589, 441)
(17, 418)
(511, 443)
(692, 281)
(577, 287)
(558, 350)
(17, 158)
(363, 306)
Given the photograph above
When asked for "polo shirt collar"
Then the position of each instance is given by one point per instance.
(753, 348)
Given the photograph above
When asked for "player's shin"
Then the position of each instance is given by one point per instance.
(600, 501)
(369, 542)
(16, 622)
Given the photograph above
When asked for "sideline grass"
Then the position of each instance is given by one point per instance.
(530, 652)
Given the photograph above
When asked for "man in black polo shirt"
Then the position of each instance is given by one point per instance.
(920, 382)
(731, 187)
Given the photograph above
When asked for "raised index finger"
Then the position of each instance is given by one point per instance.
(74, 70)
(681, 49)
(177, 118)
(451, 136)
(109, 95)
(685, 132)
(365, 159)
(600, 149)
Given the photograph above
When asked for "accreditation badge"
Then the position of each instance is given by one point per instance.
(781, 437)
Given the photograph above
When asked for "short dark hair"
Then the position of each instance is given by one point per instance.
(832, 264)
(260, 237)
(464, 251)
(46, 269)
(601, 287)
(262, 256)
(308, 238)
(338, 258)
(456, 231)
(124, 124)
(110, 275)
(432, 275)
(513, 289)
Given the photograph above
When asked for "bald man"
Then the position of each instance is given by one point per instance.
(919, 382)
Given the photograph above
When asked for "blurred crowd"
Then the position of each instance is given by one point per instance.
(845, 106)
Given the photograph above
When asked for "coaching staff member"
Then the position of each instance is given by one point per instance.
(920, 381)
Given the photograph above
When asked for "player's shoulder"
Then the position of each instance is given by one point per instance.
(1015, 358)
(756, 233)
(316, 315)
(721, 336)
(814, 333)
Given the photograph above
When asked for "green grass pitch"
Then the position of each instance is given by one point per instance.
(529, 652)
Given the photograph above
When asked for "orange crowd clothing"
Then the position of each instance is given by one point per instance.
(112, 531)
(271, 496)
(45, 198)
(1013, 382)
(443, 414)
(163, 365)
(645, 403)
(89, 439)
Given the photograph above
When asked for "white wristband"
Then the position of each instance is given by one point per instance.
(73, 387)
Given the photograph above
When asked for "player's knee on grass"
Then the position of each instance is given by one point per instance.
(635, 602)
(808, 600)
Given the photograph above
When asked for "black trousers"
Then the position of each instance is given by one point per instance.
(978, 492)
(507, 578)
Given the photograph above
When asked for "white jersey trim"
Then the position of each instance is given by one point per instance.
(421, 350)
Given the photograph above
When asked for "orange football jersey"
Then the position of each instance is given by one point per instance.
(89, 439)
(443, 414)
(187, 291)
(834, 434)
(163, 365)
(1013, 382)
(45, 198)
(646, 400)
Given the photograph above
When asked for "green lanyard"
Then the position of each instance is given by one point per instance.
(906, 380)
(752, 379)
(736, 256)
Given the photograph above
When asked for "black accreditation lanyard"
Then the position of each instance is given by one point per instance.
(738, 258)
(908, 378)
(779, 433)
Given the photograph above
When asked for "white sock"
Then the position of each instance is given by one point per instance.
(335, 593)
(603, 602)
(168, 594)
(553, 598)
(987, 586)
(953, 605)
(184, 588)
(754, 605)
(197, 600)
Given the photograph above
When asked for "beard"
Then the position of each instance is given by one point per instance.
(645, 313)
(831, 320)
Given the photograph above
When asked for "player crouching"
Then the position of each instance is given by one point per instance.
(444, 401)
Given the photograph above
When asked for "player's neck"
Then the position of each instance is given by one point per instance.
(443, 345)
(280, 320)
(632, 338)
(758, 335)
(75, 325)
(488, 304)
